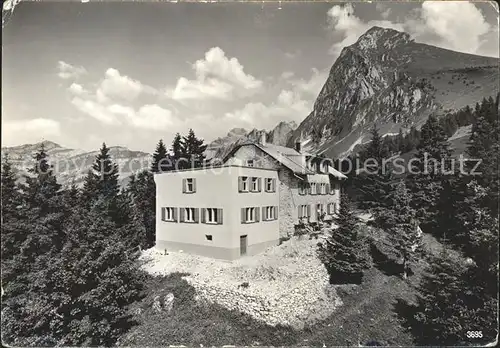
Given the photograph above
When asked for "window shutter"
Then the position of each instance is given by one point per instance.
(257, 214)
(240, 184)
(175, 214)
(264, 215)
(308, 210)
(327, 190)
(181, 213)
(163, 214)
(243, 217)
(203, 215)
(276, 213)
(194, 185)
(274, 185)
(259, 184)
(196, 214)
(309, 188)
(219, 216)
(183, 185)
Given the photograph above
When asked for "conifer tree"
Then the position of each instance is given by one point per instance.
(179, 156)
(372, 181)
(403, 227)
(102, 181)
(441, 300)
(9, 190)
(433, 163)
(344, 252)
(160, 159)
(194, 149)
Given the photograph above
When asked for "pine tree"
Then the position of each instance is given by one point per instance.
(344, 252)
(9, 189)
(403, 227)
(102, 182)
(179, 156)
(441, 301)
(433, 163)
(144, 199)
(161, 159)
(371, 183)
(194, 149)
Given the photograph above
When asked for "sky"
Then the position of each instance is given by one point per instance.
(132, 73)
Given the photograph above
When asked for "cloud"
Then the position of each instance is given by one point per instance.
(456, 25)
(119, 86)
(286, 75)
(341, 19)
(313, 85)
(289, 106)
(150, 116)
(97, 111)
(77, 89)
(29, 131)
(68, 71)
(217, 76)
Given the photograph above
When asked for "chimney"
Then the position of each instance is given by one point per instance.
(297, 146)
(262, 138)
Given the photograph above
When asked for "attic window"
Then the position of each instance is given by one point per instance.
(208, 237)
(250, 163)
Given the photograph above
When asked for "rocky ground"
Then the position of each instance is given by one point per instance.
(286, 284)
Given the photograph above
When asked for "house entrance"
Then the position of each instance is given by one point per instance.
(243, 245)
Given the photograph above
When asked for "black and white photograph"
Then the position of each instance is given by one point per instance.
(250, 173)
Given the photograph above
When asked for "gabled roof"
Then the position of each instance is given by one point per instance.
(288, 157)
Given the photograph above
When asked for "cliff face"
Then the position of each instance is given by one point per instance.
(279, 135)
(387, 79)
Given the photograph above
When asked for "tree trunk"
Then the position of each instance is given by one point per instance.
(405, 275)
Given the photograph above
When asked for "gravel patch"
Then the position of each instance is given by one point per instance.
(287, 284)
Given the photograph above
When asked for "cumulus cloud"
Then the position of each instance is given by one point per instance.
(456, 25)
(217, 76)
(121, 86)
(342, 20)
(77, 89)
(28, 131)
(67, 71)
(313, 85)
(289, 106)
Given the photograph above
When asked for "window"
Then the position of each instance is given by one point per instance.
(250, 163)
(322, 188)
(208, 237)
(313, 188)
(212, 216)
(269, 213)
(319, 210)
(189, 185)
(249, 215)
(270, 185)
(303, 188)
(169, 214)
(189, 215)
(304, 211)
(243, 184)
(325, 167)
(255, 185)
(332, 208)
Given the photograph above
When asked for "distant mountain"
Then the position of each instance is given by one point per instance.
(71, 165)
(386, 78)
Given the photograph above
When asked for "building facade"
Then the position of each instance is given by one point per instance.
(258, 194)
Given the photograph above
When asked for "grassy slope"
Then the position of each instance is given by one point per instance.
(369, 313)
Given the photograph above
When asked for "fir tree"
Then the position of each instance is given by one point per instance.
(179, 156)
(441, 300)
(9, 189)
(403, 227)
(433, 163)
(344, 252)
(194, 149)
(161, 159)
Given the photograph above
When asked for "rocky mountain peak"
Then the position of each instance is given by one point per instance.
(377, 38)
